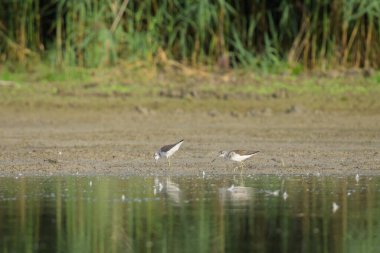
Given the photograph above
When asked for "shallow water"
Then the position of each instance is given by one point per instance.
(190, 214)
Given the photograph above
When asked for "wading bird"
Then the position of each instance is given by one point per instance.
(167, 151)
(236, 156)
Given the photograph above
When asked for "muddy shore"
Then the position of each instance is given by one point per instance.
(122, 142)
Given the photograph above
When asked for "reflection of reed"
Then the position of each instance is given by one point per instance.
(71, 215)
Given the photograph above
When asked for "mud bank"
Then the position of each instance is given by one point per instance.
(122, 142)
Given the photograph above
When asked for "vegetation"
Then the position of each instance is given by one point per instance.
(129, 86)
(262, 34)
(62, 51)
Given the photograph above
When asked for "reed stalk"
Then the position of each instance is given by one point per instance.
(317, 34)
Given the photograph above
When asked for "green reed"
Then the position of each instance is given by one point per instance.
(264, 34)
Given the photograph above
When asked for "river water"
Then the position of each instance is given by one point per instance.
(254, 213)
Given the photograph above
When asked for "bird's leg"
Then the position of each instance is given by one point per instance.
(241, 168)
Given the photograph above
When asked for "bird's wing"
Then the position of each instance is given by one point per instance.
(245, 152)
(175, 147)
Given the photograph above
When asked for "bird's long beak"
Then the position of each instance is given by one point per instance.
(219, 155)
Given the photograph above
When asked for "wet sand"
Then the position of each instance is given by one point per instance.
(123, 141)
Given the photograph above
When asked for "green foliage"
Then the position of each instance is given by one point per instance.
(258, 34)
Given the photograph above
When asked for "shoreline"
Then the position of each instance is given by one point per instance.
(69, 141)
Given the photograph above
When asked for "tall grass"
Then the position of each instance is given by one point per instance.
(314, 33)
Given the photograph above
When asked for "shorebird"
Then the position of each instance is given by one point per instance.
(167, 151)
(236, 156)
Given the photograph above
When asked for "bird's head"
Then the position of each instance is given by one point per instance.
(156, 156)
(222, 153)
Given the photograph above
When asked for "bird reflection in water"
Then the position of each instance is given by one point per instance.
(169, 189)
(236, 195)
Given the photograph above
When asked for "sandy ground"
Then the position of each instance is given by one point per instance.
(122, 142)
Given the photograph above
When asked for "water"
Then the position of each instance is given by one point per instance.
(190, 214)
